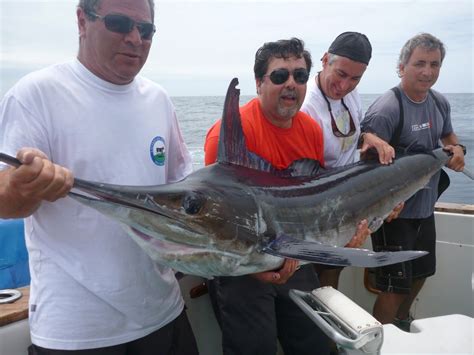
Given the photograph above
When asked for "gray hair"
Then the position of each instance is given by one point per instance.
(91, 6)
(424, 40)
(332, 58)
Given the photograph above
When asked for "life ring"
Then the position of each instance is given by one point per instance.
(9, 296)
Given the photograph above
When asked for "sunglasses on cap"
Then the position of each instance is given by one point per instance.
(123, 24)
(280, 76)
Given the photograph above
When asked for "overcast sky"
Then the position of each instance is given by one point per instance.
(201, 45)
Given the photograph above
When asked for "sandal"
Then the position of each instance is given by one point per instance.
(403, 324)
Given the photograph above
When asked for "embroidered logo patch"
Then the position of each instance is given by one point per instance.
(420, 127)
(157, 151)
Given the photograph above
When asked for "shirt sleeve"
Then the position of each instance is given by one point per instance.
(447, 125)
(211, 144)
(180, 163)
(382, 117)
(21, 127)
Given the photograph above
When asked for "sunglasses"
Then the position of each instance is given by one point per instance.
(124, 24)
(335, 129)
(280, 76)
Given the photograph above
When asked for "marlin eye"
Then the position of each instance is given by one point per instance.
(192, 203)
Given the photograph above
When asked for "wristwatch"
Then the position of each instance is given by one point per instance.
(361, 139)
(463, 147)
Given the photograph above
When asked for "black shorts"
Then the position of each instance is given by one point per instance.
(405, 234)
(175, 338)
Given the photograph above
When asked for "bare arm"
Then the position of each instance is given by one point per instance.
(457, 160)
(22, 189)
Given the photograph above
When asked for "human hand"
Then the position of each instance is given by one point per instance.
(456, 162)
(280, 276)
(359, 238)
(395, 212)
(38, 178)
(384, 150)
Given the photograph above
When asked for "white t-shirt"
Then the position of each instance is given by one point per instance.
(91, 285)
(338, 151)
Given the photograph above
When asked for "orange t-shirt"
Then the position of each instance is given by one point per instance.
(279, 146)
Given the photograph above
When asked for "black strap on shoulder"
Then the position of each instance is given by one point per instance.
(438, 104)
(444, 180)
(398, 131)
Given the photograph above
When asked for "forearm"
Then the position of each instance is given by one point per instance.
(450, 139)
(14, 205)
(452, 145)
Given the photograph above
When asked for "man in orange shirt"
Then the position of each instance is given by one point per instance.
(273, 126)
(254, 310)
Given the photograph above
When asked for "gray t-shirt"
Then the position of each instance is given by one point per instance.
(423, 126)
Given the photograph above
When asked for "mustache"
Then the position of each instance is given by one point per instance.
(289, 93)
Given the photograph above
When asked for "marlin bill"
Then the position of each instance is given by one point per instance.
(241, 215)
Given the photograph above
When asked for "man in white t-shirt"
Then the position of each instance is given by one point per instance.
(93, 290)
(333, 101)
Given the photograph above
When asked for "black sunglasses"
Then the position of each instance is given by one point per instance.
(124, 24)
(335, 129)
(280, 76)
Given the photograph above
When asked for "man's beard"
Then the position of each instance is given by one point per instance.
(287, 112)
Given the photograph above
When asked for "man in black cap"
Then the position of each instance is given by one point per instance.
(332, 100)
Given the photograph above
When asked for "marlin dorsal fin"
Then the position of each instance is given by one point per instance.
(232, 148)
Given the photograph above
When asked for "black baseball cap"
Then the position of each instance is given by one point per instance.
(352, 45)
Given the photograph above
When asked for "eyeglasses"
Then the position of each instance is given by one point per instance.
(124, 24)
(280, 76)
(335, 129)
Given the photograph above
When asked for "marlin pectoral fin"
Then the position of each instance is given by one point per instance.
(304, 168)
(288, 247)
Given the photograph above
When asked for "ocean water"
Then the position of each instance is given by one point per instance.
(197, 114)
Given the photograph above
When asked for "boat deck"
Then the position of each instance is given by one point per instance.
(16, 311)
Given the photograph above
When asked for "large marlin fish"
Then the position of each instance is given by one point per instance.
(242, 216)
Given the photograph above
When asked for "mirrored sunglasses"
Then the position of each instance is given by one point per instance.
(335, 129)
(124, 24)
(280, 76)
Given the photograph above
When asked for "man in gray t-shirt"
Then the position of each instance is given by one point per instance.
(419, 118)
